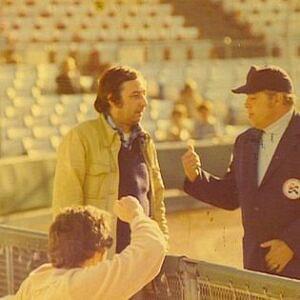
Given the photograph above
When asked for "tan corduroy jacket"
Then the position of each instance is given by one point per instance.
(87, 171)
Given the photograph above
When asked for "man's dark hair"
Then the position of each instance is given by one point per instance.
(76, 234)
(110, 86)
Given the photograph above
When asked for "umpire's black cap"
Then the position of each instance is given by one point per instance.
(271, 78)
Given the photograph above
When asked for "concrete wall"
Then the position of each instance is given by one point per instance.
(26, 183)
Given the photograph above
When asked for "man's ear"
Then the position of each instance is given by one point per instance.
(279, 98)
(113, 102)
(109, 97)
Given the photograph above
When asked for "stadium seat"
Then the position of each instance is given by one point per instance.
(11, 122)
(55, 141)
(42, 132)
(23, 102)
(31, 121)
(12, 148)
(68, 119)
(39, 110)
(47, 100)
(34, 146)
(17, 133)
(64, 129)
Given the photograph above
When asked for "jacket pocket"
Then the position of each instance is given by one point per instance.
(95, 177)
(98, 168)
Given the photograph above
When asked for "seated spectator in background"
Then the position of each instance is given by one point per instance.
(52, 56)
(231, 118)
(206, 125)
(179, 129)
(190, 97)
(9, 56)
(78, 240)
(94, 68)
(68, 80)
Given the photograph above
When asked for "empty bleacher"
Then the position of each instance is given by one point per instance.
(276, 20)
(68, 21)
(169, 41)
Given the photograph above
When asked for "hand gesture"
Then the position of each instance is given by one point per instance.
(278, 256)
(191, 163)
(127, 208)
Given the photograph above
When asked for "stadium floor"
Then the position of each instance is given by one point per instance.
(212, 235)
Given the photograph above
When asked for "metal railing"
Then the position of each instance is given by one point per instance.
(180, 278)
(21, 251)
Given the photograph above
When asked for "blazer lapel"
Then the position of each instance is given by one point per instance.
(288, 141)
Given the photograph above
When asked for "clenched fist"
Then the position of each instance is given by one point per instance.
(127, 208)
(191, 163)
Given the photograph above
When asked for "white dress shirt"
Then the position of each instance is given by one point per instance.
(269, 142)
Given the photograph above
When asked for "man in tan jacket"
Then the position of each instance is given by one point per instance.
(104, 159)
(78, 240)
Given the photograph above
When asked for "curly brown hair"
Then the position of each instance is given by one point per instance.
(76, 234)
(110, 85)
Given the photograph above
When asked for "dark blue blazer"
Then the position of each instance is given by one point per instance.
(267, 213)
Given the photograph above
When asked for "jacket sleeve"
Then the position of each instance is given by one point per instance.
(220, 192)
(127, 272)
(69, 173)
(158, 186)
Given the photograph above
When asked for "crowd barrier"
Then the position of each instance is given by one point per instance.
(26, 182)
(21, 251)
(180, 278)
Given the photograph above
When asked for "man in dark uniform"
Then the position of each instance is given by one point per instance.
(264, 175)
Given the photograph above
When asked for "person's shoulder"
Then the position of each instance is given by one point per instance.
(245, 135)
(147, 137)
(81, 131)
(85, 126)
(247, 132)
(294, 125)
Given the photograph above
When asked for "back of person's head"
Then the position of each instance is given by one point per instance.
(76, 234)
(110, 85)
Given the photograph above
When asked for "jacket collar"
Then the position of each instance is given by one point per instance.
(280, 125)
(110, 134)
(294, 125)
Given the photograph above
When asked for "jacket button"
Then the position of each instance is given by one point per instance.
(256, 208)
